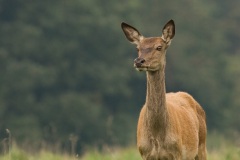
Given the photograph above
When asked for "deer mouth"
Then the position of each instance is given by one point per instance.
(145, 67)
(142, 67)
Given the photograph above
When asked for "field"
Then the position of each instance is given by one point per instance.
(218, 149)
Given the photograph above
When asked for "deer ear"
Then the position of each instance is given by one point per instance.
(168, 31)
(132, 34)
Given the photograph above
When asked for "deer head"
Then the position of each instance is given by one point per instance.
(151, 51)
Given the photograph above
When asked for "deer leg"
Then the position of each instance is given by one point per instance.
(202, 153)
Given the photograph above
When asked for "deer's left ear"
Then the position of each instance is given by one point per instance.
(168, 31)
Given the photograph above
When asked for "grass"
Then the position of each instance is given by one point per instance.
(116, 154)
(218, 149)
(222, 152)
(221, 148)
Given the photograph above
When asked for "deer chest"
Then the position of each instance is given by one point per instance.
(157, 149)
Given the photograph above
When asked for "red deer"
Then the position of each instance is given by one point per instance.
(171, 126)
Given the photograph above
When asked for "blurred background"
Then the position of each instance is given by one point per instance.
(66, 68)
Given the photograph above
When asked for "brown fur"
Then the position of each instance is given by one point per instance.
(171, 126)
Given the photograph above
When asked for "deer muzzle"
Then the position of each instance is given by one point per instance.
(138, 62)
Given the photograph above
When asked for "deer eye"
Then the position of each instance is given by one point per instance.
(159, 48)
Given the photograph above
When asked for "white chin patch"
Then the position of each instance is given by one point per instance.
(141, 69)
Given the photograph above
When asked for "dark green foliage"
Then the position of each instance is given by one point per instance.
(66, 67)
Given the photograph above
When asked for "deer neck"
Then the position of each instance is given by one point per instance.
(157, 116)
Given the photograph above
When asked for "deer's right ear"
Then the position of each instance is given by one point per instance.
(132, 34)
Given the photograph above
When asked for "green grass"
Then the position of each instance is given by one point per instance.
(218, 149)
(116, 154)
(223, 152)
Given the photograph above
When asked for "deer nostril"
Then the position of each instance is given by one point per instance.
(142, 61)
(139, 61)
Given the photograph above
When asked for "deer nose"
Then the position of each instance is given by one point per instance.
(139, 62)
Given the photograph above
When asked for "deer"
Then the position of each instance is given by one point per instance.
(171, 126)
